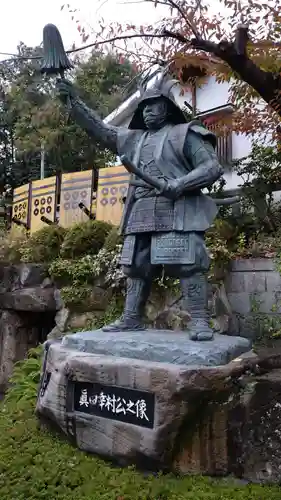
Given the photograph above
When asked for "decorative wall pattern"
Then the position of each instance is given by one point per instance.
(59, 201)
(21, 199)
(43, 202)
(76, 188)
(112, 189)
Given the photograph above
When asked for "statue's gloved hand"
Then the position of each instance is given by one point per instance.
(66, 91)
(171, 188)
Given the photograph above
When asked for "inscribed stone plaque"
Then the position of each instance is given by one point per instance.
(172, 248)
(115, 403)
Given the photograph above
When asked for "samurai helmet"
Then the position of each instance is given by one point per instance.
(162, 89)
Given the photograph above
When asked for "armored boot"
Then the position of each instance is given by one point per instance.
(137, 294)
(195, 301)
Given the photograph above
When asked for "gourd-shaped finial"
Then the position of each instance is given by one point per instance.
(55, 60)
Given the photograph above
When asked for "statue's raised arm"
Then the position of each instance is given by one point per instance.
(88, 119)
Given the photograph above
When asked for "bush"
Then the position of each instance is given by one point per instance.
(11, 244)
(74, 272)
(25, 380)
(77, 297)
(44, 245)
(86, 238)
(113, 240)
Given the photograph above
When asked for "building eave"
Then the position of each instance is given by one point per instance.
(124, 111)
(128, 107)
(225, 108)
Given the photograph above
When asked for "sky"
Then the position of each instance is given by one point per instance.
(24, 20)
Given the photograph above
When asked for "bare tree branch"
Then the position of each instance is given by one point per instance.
(175, 5)
(241, 40)
(262, 81)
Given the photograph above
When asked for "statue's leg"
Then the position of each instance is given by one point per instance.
(194, 286)
(139, 280)
(137, 293)
(195, 301)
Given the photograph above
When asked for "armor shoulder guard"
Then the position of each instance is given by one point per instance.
(197, 127)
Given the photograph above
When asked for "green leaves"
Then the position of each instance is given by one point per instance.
(28, 104)
(212, 40)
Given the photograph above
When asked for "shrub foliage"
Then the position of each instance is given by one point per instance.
(86, 238)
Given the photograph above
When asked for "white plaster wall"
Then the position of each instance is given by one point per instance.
(182, 95)
(241, 146)
(212, 94)
(209, 95)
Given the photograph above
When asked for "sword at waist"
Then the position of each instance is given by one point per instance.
(147, 181)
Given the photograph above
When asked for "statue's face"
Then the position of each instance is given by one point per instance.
(155, 113)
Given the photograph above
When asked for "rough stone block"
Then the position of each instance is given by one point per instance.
(265, 303)
(240, 302)
(249, 265)
(139, 407)
(233, 328)
(164, 346)
(61, 318)
(235, 282)
(29, 299)
(97, 299)
(172, 318)
(254, 430)
(21, 276)
(9, 332)
(249, 325)
(30, 275)
(273, 282)
(255, 281)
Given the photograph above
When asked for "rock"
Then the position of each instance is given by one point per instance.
(9, 332)
(31, 275)
(21, 276)
(19, 332)
(61, 318)
(190, 419)
(161, 301)
(29, 299)
(160, 346)
(254, 425)
(8, 278)
(58, 299)
(172, 319)
(83, 320)
(47, 283)
(143, 407)
(98, 300)
(55, 334)
(221, 324)
(221, 309)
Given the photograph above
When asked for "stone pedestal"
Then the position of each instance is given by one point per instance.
(139, 397)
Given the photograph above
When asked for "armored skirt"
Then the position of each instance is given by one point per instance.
(151, 243)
